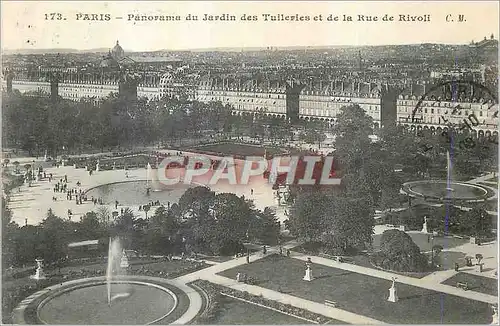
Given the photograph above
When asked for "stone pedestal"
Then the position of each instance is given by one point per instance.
(97, 167)
(239, 278)
(393, 294)
(479, 268)
(39, 274)
(308, 277)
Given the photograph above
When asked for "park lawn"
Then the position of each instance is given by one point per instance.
(236, 312)
(476, 283)
(238, 149)
(363, 294)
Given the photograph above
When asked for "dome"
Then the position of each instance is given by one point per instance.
(117, 52)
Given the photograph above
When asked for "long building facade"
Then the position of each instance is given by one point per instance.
(427, 104)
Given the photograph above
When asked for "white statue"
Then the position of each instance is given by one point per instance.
(425, 229)
(39, 274)
(124, 261)
(393, 293)
(495, 315)
(308, 276)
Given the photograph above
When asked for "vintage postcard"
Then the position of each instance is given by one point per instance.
(238, 162)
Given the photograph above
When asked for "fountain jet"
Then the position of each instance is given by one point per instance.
(448, 171)
(114, 251)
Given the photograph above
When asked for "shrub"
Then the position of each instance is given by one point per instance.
(399, 253)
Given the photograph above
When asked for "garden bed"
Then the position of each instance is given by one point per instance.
(282, 313)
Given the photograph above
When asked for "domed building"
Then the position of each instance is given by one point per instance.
(117, 52)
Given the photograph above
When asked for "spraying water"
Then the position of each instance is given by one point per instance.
(448, 171)
(148, 175)
(114, 255)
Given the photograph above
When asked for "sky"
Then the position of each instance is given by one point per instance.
(24, 24)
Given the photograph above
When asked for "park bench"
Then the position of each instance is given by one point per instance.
(463, 285)
(330, 303)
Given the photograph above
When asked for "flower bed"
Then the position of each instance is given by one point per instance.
(215, 290)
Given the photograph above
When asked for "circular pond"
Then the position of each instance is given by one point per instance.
(439, 189)
(135, 192)
(134, 303)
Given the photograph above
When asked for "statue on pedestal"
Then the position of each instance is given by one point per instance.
(393, 293)
(495, 315)
(308, 276)
(425, 228)
(39, 274)
(124, 261)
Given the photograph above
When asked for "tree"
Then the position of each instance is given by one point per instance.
(128, 227)
(55, 234)
(399, 253)
(476, 223)
(351, 222)
(264, 226)
(216, 224)
(89, 227)
(104, 215)
(196, 201)
(352, 142)
(307, 216)
(162, 230)
(9, 232)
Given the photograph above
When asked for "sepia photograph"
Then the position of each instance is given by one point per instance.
(249, 162)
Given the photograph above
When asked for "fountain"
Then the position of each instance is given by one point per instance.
(114, 299)
(448, 172)
(148, 176)
(442, 190)
(39, 274)
(114, 252)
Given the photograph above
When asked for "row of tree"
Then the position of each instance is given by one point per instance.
(202, 222)
(35, 123)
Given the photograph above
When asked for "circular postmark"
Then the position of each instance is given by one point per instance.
(462, 106)
(452, 95)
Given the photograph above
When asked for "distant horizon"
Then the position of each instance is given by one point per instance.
(230, 48)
